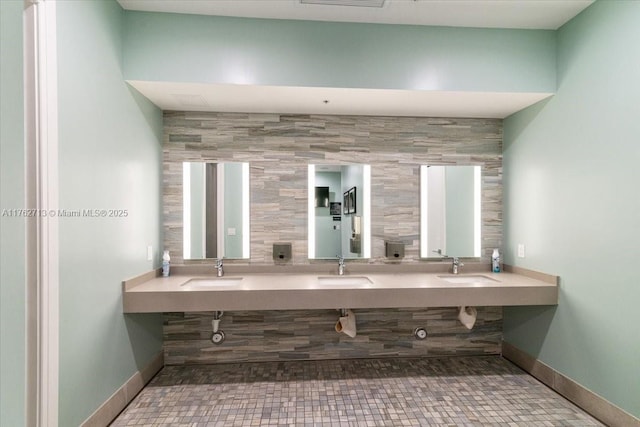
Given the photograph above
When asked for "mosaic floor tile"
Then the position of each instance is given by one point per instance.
(463, 391)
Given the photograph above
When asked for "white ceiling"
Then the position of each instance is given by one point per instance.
(528, 14)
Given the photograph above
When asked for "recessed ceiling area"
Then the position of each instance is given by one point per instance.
(525, 14)
(311, 100)
(515, 14)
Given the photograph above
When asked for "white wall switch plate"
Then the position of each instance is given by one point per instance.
(149, 253)
(520, 250)
(231, 232)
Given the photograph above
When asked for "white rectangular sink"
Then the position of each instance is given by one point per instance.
(211, 283)
(344, 280)
(467, 278)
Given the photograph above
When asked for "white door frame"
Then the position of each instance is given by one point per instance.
(41, 178)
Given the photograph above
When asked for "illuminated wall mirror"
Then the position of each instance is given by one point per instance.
(215, 210)
(339, 211)
(450, 211)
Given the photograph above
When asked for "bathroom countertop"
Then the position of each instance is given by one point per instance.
(285, 291)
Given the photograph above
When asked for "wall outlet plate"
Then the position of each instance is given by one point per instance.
(520, 250)
(149, 253)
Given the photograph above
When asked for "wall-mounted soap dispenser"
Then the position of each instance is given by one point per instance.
(281, 252)
(394, 250)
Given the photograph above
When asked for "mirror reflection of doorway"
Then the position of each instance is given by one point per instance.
(328, 226)
(215, 210)
(211, 210)
(331, 221)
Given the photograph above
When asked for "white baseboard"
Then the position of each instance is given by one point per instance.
(110, 409)
(595, 405)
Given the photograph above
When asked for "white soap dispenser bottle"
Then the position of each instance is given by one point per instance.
(495, 261)
(166, 264)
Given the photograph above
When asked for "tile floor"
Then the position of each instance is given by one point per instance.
(458, 391)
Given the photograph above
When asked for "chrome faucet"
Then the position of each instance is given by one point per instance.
(219, 269)
(340, 265)
(456, 264)
(456, 261)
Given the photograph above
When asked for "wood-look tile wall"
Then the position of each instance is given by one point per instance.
(279, 147)
(310, 335)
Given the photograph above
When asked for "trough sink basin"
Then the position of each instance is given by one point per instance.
(212, 283)
(344, 280)
(467, 278)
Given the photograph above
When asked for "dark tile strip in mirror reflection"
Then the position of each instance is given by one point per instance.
(458, 391)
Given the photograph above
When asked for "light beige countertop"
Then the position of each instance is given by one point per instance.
(298, 289)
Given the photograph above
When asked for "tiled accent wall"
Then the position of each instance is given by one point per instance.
(310, 335)
(279, 147)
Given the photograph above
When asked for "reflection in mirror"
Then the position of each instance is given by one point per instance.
(215, 210)
(450, 211)
(339, 211)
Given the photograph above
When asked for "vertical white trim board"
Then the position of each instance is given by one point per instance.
(41, 175)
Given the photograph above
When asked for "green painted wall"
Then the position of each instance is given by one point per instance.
(571, 174)
(198, 209)
(459, 210)
(110, 158)
(233, 209)
(12, 196)
(209, 49)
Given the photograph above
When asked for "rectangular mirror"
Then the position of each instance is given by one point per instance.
(215, 210)
(339, 225)
(450, 211)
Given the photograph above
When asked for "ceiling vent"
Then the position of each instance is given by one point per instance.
(356, 3)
